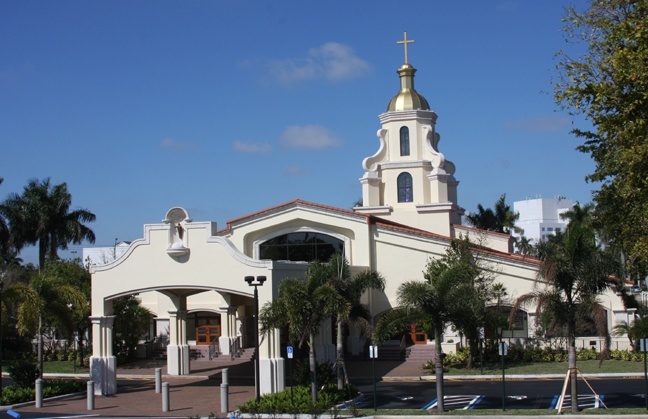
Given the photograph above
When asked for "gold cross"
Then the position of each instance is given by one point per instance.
(405, 41)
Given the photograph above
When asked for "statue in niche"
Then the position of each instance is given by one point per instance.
(180, 231)
(177, 218)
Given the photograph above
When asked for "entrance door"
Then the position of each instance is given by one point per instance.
(206, 334)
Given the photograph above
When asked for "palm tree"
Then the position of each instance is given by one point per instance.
(574, 271)
(525, 246)
(47, 297)
(72, 273)
(132, 320)
(579, 214)
(41, 215)
(501, 220)
(351, 288)
(483, 219)
(302, 306)
(443, 296)
(634, 331)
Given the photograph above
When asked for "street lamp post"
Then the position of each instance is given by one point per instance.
(259, 282)
(502, 352)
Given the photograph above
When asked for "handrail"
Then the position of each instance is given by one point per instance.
(213, 348)
(235, 348)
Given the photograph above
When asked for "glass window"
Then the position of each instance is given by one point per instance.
(549, 228)
(404, 141)
(301, 247)
(405, 188)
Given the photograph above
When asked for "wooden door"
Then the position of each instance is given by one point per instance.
(205, 334)
(418, 336)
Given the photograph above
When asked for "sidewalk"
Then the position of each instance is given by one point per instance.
(195, 395)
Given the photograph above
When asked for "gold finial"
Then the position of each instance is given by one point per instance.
(405, 41)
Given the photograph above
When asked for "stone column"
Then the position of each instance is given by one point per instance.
(103, 365)
(227, 327)
(271, 364)
(178, 350)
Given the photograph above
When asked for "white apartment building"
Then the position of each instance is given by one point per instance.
(540, 217)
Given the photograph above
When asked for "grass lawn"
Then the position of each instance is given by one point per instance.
(54, 367)
(63, 367)
(586, 367)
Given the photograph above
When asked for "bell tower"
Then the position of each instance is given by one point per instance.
(408, 180)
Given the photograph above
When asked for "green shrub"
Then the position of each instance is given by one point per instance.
(24, 371)
(14, 394)
(56, 387)
(586, 354)
(460, 359)
(299, 402)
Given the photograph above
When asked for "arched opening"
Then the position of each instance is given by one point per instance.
(405, 192)
(404, 141)
(303, 246)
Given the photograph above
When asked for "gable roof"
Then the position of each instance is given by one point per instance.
(373, 220)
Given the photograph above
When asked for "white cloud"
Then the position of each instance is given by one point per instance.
(296, 171)
(331, 61)
(173, 144)
(243, 147)
(540, 124)
(312, 137)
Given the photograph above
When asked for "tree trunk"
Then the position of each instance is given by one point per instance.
(472, 352)
(80, 332)
(438, 367)
(573, 377)
(42, 252)
(341, 369)
(313, 367)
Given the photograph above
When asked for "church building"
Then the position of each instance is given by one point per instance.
(191, 274)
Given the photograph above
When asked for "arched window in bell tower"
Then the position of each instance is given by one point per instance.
(404, 141)
(405, 193)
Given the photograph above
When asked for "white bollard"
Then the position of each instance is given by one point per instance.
(90, 395)
(224, 394)
(39, 393)
(158, 380)
(165, 397)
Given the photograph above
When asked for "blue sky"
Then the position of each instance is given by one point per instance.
(228, 107)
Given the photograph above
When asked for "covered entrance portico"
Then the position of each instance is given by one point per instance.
(180, 267)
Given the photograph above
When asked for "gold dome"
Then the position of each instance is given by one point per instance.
(407, 99)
